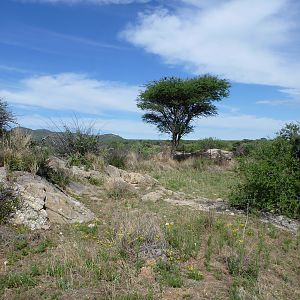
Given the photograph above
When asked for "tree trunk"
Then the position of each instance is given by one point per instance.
(175, 142)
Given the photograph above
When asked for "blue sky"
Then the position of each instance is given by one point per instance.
(91, 58)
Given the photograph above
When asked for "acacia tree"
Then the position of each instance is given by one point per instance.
(6, 117)
(172, 103)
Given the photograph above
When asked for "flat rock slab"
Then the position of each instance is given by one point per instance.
(76, 188)
(42, 203)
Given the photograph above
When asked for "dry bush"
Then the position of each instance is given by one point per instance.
(133, 160)
(89, 160)
(139, 234)
(164, 162)
(17, 140)
(17, 154)
(96, 162)
(75, 138)
(159, 161)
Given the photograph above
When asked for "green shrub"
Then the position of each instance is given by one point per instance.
(291, 133)
(8, 203)
(204, 144)
(270, 179)
(117, 159)
(244, 147)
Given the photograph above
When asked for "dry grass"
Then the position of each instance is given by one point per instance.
(139, 235)
(145, 250)
(118, 189)
(16, 153)
(204, 256)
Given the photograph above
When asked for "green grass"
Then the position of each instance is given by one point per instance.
(212, 184)
(170, 274)
(22, 248)
(16, 280)
(194, 273)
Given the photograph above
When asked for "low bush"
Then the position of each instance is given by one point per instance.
(8, 203)
(270, 179)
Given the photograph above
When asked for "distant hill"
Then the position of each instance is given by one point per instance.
(39, 134)
(109, 137)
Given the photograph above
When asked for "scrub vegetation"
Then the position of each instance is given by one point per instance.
(154, 250)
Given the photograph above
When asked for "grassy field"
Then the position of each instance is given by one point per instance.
(211, 184)
(139, 250)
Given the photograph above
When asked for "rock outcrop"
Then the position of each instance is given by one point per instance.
(41, 204)
(130, 177)
(218, 154)
(58, 164)
(110, 172)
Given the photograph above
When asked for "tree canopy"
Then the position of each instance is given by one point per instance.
(171, 103)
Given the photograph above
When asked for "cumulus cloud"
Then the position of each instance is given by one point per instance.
(245, 41)
(73, 91)
(95, 2)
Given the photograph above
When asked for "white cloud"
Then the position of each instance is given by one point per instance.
(83, 95)
(76, 92)
(293, 98)
(74, 2)
(241, 126)
(223, 126)
(245, 41)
